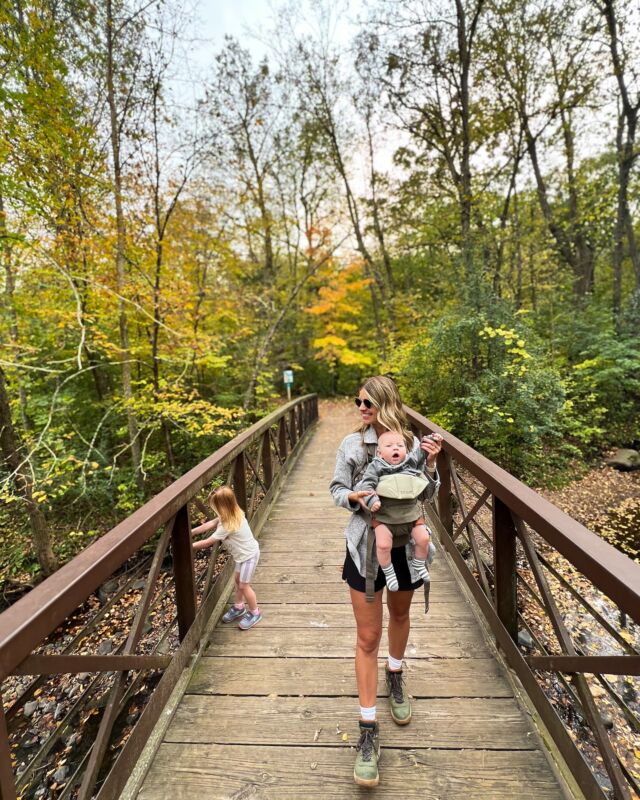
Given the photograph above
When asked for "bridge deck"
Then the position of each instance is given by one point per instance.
(272, 712)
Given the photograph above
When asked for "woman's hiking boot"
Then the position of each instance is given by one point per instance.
(365, 771)
(398, 697)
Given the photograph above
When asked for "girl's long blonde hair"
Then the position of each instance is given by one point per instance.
(223, 502)
(384, 394)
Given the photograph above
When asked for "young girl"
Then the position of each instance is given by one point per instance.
(232, 527)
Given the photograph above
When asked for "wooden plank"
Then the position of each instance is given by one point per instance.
(314, 559)
(341, 616)
(225, 772)
(281, 643)
(272, 542)
(313, 576)
(339, 593)
(489, 724)
(457, 677)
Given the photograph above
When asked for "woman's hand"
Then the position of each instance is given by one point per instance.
(432, 445)
(358, 497)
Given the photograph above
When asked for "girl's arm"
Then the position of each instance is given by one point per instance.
(211, 525)
(203, 543)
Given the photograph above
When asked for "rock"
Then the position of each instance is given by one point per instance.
(107, 588)
(105, 647)
(32, 742)
(624, 460)
(525, 640)
(139, 584)
(30, 708)
(59, 712)
(61, 774)
(40, 792)
(72, 740)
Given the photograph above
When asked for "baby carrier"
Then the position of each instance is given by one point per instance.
(399, 492)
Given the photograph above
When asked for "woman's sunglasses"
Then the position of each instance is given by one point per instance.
(359, 402)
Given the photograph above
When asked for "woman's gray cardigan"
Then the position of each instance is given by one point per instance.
(355, 451)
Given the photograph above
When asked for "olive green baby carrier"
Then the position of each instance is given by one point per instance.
(400, 507)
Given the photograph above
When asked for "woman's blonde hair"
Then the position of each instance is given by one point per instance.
(384, 394)
(223, 502)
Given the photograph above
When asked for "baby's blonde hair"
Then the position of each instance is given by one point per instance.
(384, 394)
(223, 502)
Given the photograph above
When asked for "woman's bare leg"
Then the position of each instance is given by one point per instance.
(369, 631)
(399, 605)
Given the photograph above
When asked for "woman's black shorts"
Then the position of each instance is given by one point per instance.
(399, 560)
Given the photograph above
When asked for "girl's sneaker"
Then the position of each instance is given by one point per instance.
(233, 613)
(249, 620)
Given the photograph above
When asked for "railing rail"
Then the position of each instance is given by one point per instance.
(533, 548)
(257, 461)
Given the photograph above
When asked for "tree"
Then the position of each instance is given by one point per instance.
(545, 87)
(621, 20)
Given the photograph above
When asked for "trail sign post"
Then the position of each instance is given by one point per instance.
(287, 376)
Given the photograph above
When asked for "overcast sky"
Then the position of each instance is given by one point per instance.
(239, 18)
(221, 17)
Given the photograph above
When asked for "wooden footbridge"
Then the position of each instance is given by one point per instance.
(183, 707)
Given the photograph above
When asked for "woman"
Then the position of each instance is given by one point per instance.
(380, 409)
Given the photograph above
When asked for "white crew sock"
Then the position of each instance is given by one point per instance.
(394, 663)
(368, 714)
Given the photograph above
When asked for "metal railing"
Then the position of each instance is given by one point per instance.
(144, 576)
(537, 570)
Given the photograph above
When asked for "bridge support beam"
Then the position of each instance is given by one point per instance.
(183, 571)
(504, 549)
(445, 497)
(7, 784)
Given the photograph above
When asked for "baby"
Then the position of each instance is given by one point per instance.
(399, 480)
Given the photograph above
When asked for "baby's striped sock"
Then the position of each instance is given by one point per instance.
(390, 578)
(421, 568)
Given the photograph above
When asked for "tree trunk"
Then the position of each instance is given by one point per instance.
(375, 214)
(625, 141)
(132, 422)
(10, 449)
(13, 317)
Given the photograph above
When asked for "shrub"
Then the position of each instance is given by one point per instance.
(484, 383)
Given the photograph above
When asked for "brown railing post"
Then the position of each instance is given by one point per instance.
(293, 427)
(445, 506)
(504, 553)
(183, 571)
(7, 782)
(240, 481)
(267, 465)
(282, 438)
